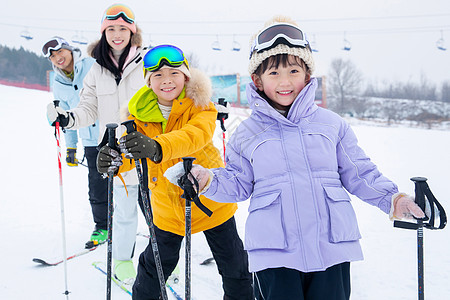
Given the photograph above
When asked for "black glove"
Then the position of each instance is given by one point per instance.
(108, 160)
(56, 113)
(137, 145)
(71, 157)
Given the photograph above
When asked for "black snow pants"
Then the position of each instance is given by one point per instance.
(284, 283)
(98, 189)
(228, 252)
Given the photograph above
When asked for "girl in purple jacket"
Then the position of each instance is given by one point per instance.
(295, 162)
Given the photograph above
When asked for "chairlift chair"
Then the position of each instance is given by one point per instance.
(216, 45)
(26, 35)
(236, 45)
(347, 44)
(75, 39)
(440, 43)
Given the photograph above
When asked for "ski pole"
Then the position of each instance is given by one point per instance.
(131, 127)
(423, 195)
(186, 185)
(420, 199)
(190, 195)
(61, 198)
(111, 131)
(221, 117)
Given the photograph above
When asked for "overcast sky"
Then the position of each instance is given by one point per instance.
(390, 39)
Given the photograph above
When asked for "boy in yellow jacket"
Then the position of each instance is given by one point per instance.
(175, 118)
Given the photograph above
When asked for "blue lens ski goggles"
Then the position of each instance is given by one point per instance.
(161, 55)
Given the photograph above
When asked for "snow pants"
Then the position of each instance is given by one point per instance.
(98, 190)
(228, 252)
(125, 221)
(283, 283)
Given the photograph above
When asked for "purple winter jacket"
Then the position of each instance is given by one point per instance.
(296, 171)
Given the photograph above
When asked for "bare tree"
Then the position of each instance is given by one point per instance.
(445, 91)
(344, 80)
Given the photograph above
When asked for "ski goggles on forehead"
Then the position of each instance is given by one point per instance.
(164, 54)
(53, 45)
(119, 11)
(281, 33)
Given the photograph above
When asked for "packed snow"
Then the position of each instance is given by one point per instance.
(30, 214)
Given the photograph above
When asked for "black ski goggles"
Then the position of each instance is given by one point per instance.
(54, 44)
(279, 33)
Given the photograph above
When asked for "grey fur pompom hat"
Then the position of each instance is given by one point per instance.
(303, 52)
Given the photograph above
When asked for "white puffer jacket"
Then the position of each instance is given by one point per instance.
(101, 98)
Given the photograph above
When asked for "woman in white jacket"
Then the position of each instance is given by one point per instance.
(113, 79)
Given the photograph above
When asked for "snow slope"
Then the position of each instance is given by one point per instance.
(30, 221)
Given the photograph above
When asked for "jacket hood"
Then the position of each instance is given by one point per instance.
(136, 40)
(303, 106)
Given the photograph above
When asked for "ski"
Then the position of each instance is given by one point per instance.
(55, 263)
(99, 266)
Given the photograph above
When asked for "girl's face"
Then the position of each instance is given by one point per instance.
(117, 36)
(167, 83)
(282, 84)
(62, 59)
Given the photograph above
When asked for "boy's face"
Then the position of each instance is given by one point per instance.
(62, 59)
(117, 36)
(167, 83)
(282, 84)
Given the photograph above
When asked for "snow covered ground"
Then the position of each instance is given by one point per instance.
(30, 222)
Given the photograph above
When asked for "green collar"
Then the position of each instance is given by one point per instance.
(144, 106)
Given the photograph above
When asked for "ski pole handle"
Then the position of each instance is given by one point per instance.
(187, 164)
(419, 183)
(111, 128)
(130, 125)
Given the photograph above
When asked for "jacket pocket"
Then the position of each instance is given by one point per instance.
(264, 226)
(343, 223)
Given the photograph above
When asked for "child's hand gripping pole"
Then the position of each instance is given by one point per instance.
(131, 127)
(112, 143)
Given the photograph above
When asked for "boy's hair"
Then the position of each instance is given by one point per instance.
(305, 53)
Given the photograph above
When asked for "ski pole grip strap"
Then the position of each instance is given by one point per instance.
(188, 188)
(423, 194)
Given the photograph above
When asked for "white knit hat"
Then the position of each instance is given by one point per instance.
(303, 52)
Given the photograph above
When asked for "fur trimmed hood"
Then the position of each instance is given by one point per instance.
(199, 88)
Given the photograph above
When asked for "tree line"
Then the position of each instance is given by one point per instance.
(421, 101)
(20, 65)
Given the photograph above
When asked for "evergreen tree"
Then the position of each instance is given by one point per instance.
(20, 65)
